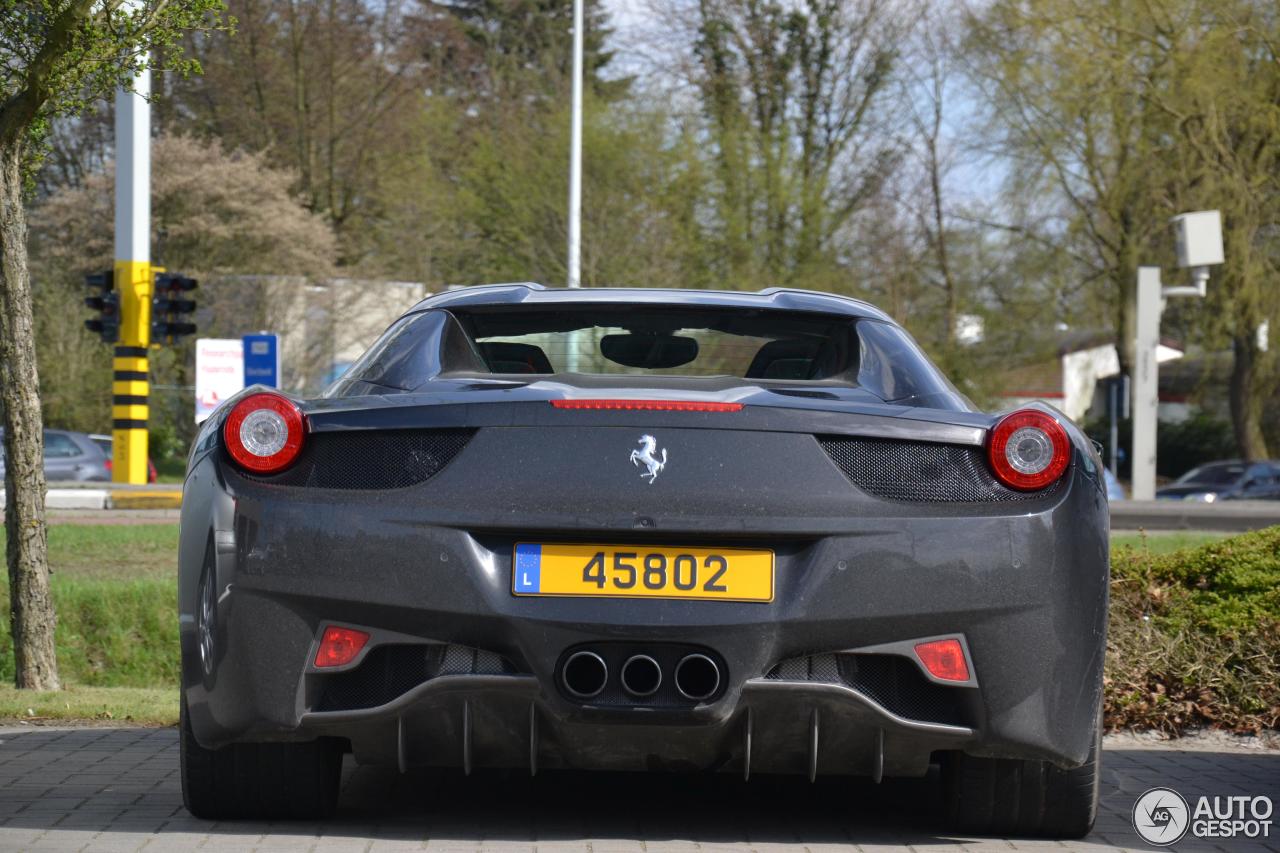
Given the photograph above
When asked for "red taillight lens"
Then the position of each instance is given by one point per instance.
(944, 659)
(648, 405)
(264, 433)
(1028, 450)
(340, 646)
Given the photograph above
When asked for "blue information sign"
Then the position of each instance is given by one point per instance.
(262, 360)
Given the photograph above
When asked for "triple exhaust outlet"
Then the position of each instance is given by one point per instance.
(585, 675)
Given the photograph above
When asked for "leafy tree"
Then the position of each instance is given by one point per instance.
(1073, 88)
(328, 90)
(1226, 105)
(504, 50)
(56, 55)
(792, 95)
(508, 202)
(1127, 112)
(214, 214)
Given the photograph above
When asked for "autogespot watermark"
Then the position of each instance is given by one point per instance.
(1162, 817)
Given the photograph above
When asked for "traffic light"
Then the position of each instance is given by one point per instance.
(171, 311)
(106, 304)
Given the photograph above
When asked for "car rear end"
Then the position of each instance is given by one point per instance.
(645, 570)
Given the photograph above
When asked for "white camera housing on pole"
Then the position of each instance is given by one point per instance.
(1198, 239)
(1198, 236)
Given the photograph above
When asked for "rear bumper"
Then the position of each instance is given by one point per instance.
(1027, 591)
(498, 721)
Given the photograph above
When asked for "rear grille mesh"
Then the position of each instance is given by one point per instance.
(372, 459)
(891, 681)
(390, 671)
(920, 471)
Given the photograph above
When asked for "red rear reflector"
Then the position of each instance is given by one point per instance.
(339, 646)
(649, 405)
(944, 659)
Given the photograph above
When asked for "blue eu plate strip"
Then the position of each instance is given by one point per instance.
(528, 568)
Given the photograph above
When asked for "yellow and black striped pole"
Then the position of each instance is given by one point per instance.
(133, 281)
(130, 383)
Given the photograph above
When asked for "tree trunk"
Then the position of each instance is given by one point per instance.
(31, 607)
(1246, 405)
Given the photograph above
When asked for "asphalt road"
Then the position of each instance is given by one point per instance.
(117, 789)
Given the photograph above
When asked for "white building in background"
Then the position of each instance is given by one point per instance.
(343, 317)
(323, 326)
(1073, 380)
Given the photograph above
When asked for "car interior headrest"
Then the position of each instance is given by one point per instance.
(510, 357)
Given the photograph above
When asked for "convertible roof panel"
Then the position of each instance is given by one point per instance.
(529, 293)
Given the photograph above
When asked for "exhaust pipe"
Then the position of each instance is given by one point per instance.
(697, 677)
(641, 676)
(585, 674)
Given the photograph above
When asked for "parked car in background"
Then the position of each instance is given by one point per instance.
(104, 442)
(70, 456)
(1226, 481)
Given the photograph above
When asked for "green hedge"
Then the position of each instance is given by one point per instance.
(111, 633)
(1195, 636)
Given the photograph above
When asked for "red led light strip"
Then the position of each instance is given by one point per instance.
(648, 405)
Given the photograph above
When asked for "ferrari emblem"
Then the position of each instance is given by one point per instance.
(647, 456)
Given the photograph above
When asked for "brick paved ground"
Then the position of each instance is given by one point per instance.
(116, 789)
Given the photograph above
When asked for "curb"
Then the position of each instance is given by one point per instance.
(82, 498)
(150, 499)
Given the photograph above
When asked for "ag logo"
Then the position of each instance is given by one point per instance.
(1161, 816)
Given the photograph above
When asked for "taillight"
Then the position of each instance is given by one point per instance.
(340, 646)
(944, 659)
(264, 433)
(1028, 450)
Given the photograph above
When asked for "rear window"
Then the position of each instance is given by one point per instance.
(664, 342)
(760, 345)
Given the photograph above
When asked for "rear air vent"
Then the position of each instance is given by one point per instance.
(372, 459)
(390, 671)
(891, 681)
(920, 471)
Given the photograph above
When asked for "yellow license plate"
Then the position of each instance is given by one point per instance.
(634, 571)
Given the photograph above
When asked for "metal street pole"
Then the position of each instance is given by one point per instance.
(1198, 239)
(1146, 383)
(133, 274)
(575, 180)
(575, 155)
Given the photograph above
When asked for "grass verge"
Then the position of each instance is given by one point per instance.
(144, 706)
(110, 633)
(111, 551)
(1164, 541)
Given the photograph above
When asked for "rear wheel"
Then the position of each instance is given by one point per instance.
(280, 781)
(1003, 796)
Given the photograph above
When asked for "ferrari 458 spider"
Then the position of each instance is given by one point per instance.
(649, 530)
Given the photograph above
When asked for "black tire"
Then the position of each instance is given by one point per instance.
(268, 781)
(1005, 796)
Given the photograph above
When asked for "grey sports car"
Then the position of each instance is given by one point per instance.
(650, 530)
